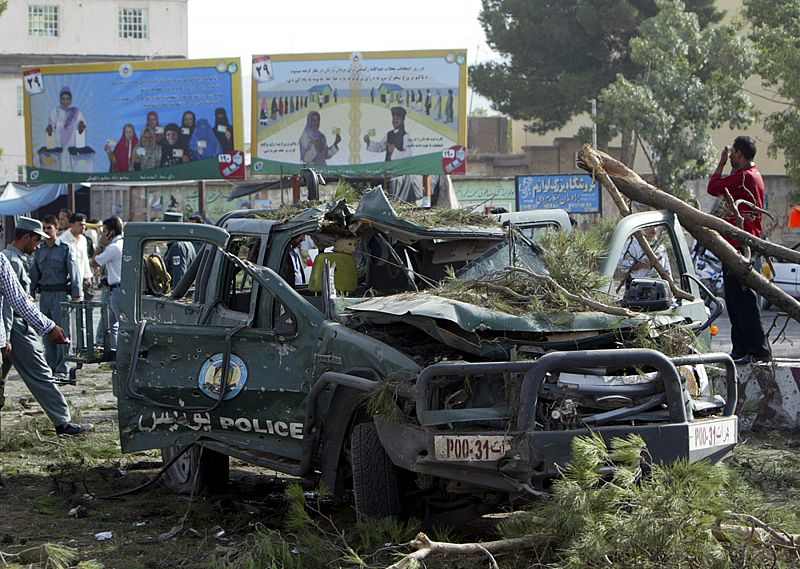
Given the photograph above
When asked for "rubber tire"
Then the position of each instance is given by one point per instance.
(210, 470)
(375, 483)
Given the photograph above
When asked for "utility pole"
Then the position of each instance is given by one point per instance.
(594, 122)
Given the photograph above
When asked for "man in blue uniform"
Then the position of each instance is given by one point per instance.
(54, 275)
(23, 323)
(180, 254)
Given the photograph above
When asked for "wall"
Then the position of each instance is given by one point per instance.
(88, 33)
(482, 192)
(90, 27)
(488, 135)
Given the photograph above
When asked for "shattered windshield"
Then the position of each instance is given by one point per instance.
(516, 251)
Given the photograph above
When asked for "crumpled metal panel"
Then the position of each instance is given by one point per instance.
(375, 207)
(474, 318)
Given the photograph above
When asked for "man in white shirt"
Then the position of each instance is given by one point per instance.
(109, 256)
(635, 261)
(77, 242)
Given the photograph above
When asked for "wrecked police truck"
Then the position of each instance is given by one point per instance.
(417, 361)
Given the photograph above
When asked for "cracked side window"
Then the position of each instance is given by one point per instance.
(238, 292)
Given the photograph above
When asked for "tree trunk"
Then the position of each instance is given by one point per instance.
(704, 227)
(628, 154)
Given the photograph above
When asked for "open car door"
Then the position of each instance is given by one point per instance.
(172, 383)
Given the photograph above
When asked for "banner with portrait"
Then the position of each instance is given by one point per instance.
(134, 121)
(360, 113)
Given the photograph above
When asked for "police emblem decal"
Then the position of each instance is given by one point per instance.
(209, 380)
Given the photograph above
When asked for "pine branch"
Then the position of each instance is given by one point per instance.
(425, 546)
(588, 302)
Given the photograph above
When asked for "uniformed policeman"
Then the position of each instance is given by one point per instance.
(25, 351)
(54, 275)
(180, 254)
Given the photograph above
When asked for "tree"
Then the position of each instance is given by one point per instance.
(690, 82)
(559, 54)
(775, 32)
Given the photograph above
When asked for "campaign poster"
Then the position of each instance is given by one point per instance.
(134, 121)
(360, 113)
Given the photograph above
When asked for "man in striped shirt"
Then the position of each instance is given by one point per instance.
(23, 323)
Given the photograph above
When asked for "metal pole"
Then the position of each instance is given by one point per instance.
(201, 198)
(594, 122)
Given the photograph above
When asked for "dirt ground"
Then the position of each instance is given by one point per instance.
(53, 490)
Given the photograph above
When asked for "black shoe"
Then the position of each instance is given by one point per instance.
(74, 429)
(63, 379)
(751, 359)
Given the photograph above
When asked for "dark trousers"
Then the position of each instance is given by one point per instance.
(747, 332)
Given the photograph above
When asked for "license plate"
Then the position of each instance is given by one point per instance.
(711, 434)
(471, 448)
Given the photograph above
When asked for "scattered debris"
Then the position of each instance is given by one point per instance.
(78, 512)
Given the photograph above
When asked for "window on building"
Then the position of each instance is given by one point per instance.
(133, 23)
(42, 20)
(20, 101)
(20, 173)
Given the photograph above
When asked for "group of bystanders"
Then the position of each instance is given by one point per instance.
(57, 261)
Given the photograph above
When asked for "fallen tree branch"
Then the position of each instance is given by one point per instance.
(425, 546)
(625, 210)
(503, 289)
(767, 534)
(588, 302)
(635, 188)
(704, 227)
(739, 222)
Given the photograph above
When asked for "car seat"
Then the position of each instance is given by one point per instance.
(345, 275)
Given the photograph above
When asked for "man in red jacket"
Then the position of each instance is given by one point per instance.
(750, 344)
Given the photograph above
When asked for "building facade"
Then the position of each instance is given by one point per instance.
(44, 32)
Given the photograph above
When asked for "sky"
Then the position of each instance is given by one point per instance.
(245, 27)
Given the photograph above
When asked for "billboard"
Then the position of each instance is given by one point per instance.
(361, 113)
(575, 193)
(134, 121)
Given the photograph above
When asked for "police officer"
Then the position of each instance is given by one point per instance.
(54, 274)
(180, 254)
(24, 351)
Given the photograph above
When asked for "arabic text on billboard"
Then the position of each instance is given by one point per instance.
(370, 113)
(134, 121)
(575, 193)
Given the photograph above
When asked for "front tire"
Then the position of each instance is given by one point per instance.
(204, 470)
(375, 482)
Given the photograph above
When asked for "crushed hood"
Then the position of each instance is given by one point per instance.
(490, 333)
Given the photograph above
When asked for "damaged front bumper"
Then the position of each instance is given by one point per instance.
(517, 455)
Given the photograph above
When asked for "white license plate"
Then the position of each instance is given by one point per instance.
(714, 433)
(471, 448)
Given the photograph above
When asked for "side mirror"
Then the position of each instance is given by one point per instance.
(647, 295)
(313, 182)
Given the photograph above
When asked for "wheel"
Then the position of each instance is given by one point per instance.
(206, 468)
(375, 481)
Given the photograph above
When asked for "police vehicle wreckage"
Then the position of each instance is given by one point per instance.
(389, 373)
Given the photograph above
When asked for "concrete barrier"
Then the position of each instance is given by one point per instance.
(769, 395)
